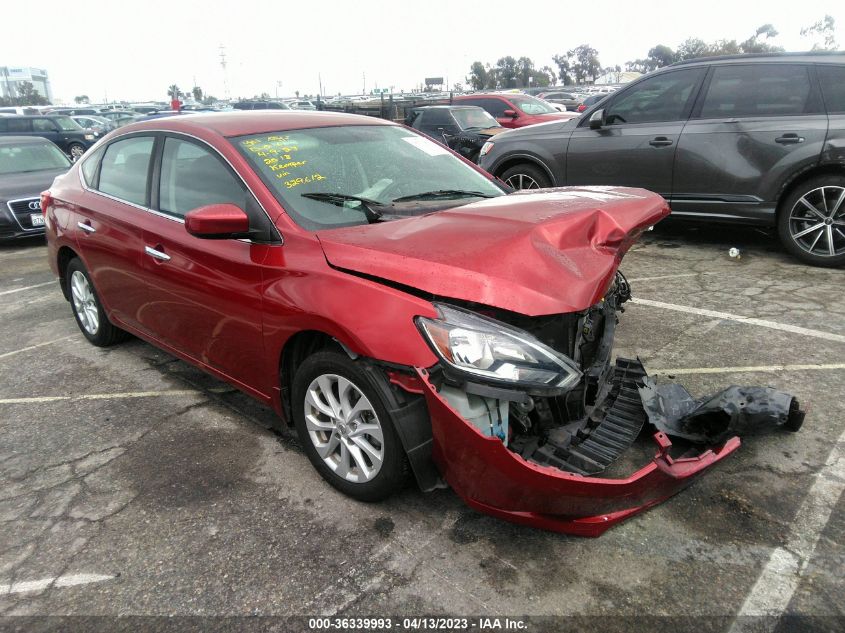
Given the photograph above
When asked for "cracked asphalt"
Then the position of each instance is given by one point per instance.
(187, 503)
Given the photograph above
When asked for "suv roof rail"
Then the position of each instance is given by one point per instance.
(758, 56)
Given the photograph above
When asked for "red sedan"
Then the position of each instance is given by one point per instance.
(384, 296)
(515, 110)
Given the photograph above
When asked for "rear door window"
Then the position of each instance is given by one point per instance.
(20, 125)
(758, 90)
(193, 177)
(832, 79)
(496, 107)
(125, 167)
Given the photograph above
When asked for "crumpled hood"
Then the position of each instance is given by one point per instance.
(532, 253)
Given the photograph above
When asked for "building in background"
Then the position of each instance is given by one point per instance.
(616, 78)
(11, 77)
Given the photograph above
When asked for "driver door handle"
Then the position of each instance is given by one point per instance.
(660, 141)
(156, 254)
(789, 139)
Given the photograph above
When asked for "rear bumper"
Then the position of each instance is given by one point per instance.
(494, 480)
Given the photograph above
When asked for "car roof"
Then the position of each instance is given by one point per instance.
(817, 56)
(448, 107)
(23, 140)
(255, 122)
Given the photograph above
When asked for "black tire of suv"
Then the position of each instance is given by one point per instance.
(528, 170)
(77, 147)
(107, 334)
(784, 210)
(394, 469)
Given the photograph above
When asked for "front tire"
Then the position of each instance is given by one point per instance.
(526, 176)
(76, 151)
(87, 308)
(345, 429)
(811, 221)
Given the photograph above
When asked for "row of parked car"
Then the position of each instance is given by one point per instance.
(746, 139)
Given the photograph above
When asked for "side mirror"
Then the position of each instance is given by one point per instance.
(218, 222)
(510, 113)
(597, 119)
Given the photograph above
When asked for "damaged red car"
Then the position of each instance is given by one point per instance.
(395, 304)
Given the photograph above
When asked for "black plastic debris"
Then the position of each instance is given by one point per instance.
(736, 410)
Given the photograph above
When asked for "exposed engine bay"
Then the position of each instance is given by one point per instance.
(585, 427)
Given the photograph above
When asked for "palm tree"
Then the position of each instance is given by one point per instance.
(173, 91)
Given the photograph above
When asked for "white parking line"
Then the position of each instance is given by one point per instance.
(36, 346)
(46, 283)
(779, 579)
(737, 370)
(71, 580)
(102, 396)
(638, 279)
(794, 329)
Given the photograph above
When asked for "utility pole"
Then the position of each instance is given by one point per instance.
(320, 84)
(364, 75)
(223, 65)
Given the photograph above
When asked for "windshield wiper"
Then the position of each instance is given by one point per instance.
(444, 193)
(340, 198)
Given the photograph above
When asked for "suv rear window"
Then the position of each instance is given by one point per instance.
(832, 79)
(757, 90)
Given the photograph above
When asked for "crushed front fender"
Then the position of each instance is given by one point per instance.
(495, 480)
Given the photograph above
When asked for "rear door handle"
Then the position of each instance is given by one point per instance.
(660, 141)
(156, 254)
(789, 139)
(86, 226)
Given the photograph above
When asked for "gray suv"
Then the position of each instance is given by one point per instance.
(749, 138)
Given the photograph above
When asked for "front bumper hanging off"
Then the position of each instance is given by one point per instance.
(495, 480)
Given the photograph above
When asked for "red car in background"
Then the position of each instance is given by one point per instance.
(515, 110)
(384, 296)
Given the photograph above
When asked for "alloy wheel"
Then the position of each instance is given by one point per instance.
(76, 152)
(522, 181)
(84, 303)
(344, 428)
(817, 221)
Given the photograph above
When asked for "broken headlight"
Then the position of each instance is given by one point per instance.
(494, 352)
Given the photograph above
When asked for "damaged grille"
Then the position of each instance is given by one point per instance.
(613, 428)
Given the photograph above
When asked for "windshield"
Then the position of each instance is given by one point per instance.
(66, 124)
(378, 163)
(530, 105)
(17, 159)
(474, 117)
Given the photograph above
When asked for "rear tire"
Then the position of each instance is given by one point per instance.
(345, 429)
(526, 176)
(811, 221)
(87, 308)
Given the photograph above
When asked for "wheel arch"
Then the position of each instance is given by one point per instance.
(518, 159)
(295, 350)
(63, 258)
(790, 185)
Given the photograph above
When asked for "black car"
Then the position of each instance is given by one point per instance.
(71, 138)
(756, 139)
(28, 165)
(465, 129)
(260, 105)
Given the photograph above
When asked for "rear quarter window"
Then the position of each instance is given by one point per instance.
(832, 80)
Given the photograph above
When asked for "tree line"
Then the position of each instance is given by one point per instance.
(582, 65)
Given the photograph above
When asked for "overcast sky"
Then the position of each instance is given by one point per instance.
(135, 50)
